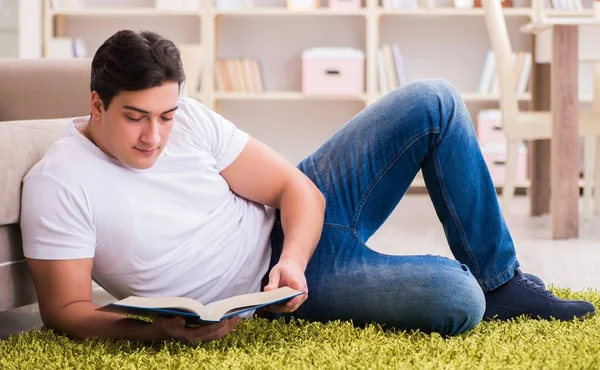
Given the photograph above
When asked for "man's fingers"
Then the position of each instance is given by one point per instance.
(212, 331)
(170, 323)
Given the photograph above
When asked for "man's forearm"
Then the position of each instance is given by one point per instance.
(81, 321)
(302, 215)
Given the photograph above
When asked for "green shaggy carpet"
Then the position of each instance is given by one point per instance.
(260, 344)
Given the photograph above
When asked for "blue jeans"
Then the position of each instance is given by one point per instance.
(363, 171)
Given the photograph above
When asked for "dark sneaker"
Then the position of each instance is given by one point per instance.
(535, 279)
(522, 296)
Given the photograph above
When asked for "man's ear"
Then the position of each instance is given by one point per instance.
(96, 105)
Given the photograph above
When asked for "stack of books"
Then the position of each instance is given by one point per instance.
(390, 68)
(399, 4)
(489, 82)
(238, 75)
(572, 5)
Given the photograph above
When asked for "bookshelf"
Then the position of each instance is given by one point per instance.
(121, 11)
(441, 42)
(20, 29)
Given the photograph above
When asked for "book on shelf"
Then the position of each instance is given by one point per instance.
(567, 5)
(521, 63)
(196, 313)
(238, 75)
(390, 68)
(399, 4)
(65, 47)
(505, 3)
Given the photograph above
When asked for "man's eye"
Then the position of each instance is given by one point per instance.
(166, 119)
(133, 119)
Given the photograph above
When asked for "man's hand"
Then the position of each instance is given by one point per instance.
(289, 273)
(174, 328)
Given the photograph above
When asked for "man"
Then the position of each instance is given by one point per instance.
(159, 196)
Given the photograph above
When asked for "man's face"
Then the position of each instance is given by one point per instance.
(137, 124)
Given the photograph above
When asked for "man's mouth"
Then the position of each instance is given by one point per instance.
(147, 151)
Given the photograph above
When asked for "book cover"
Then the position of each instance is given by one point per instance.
(196, 313)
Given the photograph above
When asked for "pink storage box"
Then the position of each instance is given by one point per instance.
(495, 158)
(333, 71)
(344, 4)
(489, 128)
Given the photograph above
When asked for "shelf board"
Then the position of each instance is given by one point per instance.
(323, 11)
(284, 96)
(568, 13)
(420, 183)
(298, 96)
(450, 11)
(122, 11)
(282, 11)
(477, 96)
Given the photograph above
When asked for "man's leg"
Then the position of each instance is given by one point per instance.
(367, 166)
(349, 281)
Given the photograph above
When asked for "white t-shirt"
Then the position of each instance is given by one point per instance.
(175, 229)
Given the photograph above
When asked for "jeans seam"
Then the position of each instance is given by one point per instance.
(382, 173)
(453, 214)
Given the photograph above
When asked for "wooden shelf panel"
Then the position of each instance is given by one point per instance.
(420, 183)
(284, 95)
(131, 11)
(567, 13)
(477, 96)
(450, 11)
(281, 11)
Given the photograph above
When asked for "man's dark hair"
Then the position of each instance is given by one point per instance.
(132, 61)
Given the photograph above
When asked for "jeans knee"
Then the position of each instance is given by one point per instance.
(466, 310)
(436, 102)
(428, 91)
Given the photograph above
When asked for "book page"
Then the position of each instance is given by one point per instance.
(245, 301)
(173, 303)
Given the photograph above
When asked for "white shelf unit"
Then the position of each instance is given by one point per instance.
(121, 11)
(20, 29)
(263, 33)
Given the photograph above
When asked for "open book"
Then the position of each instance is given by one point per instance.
(194, 312)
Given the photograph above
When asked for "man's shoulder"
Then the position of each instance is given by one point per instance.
(63, 160)
(191, 111)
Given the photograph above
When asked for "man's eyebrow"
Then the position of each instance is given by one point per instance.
(145, 111)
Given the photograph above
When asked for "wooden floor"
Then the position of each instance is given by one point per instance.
(413, 228)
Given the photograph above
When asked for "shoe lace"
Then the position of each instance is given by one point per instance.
(535, 286)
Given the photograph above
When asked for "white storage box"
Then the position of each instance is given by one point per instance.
(489, 128)
(495, 158)
(333, 71)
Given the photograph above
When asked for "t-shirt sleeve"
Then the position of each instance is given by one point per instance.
(223, 139)
(55, 221)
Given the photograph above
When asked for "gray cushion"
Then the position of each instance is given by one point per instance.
(22, 144)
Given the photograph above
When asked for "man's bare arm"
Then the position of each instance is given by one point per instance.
(64, 290)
